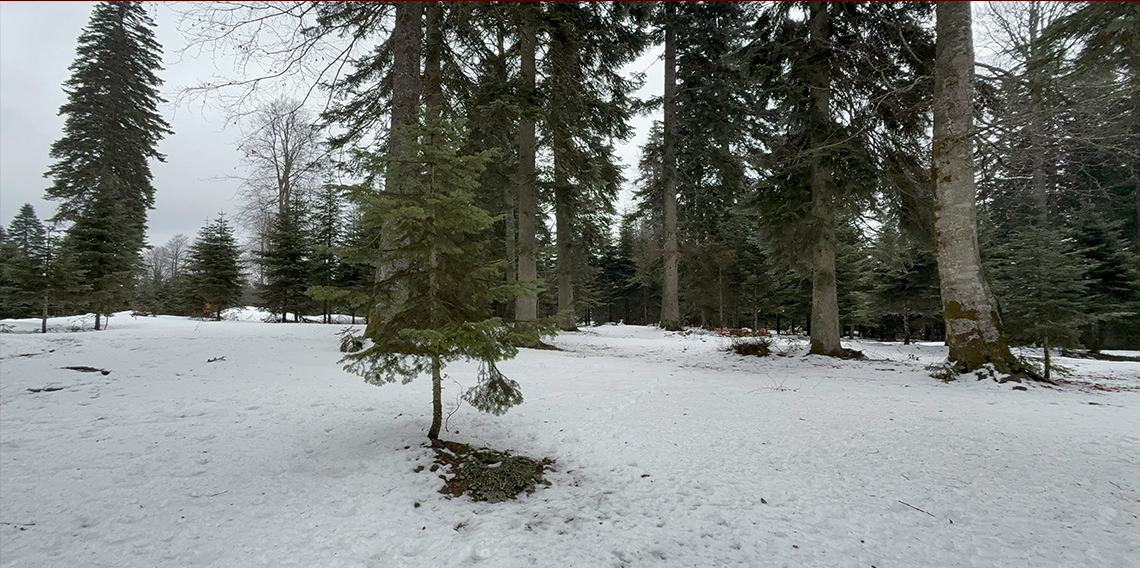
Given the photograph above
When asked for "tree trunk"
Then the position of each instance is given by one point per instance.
(1048, 365)
(563, 56)
(973, 328)
(720, 294)
(44, 316)
(98, 317)
(565, 237)
(526, 307)
(824, 296)
(906, 325)
(433, 55)
(407, 37)
(670, 306)
(436, 399)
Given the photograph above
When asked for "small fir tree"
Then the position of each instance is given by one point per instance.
(435, 307)
(286, 263)
(214, 270)
(24, 264)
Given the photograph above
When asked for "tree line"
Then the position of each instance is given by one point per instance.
(788, 185)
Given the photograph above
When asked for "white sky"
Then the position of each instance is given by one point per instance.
(37, 44)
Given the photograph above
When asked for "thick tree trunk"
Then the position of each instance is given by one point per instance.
(973, 328)
(564, 58)
(44, 316)
(906, 325)
(433, 55)
(407, 39)
(824, 295)
(670, 305)
(98, 318)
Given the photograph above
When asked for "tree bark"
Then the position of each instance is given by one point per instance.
(436, 399)
(670, 306)
(565, 59)
(973, 328)
(407, 40)
(407, 37)
(433, 56)
(564, 233)
(824, 295)
(526, 307)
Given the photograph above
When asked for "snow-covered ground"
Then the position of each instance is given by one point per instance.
(669, 452)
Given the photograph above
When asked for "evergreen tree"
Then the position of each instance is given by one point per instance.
(327, 221)
(1113, 277)
(1037, 280)
(351, 277)
(101, 175)
(842, 99)
(95, 242)
(214, 269)
(435, 308)
(903, 280)
(286, 264)
(25, 259)
(26, 232)
(587, 106)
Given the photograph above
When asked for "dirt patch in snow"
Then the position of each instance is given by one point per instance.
(487, 475)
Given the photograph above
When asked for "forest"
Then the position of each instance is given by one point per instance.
(786, 186)
(869, 296)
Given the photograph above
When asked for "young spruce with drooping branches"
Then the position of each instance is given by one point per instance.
(434, 305)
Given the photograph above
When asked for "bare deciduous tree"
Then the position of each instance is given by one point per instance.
(281, 155)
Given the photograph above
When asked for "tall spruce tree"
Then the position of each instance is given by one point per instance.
(101, 175)
(842, 94)
(588, 105)
(214, 268)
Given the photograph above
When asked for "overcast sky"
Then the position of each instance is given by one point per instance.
(37, 44)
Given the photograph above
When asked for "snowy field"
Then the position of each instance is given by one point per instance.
(669, 452)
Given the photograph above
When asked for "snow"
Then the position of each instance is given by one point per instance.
(669, 452)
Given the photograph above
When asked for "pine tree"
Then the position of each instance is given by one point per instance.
(587, 105)
(841, 98)
(286, 264)
(101, 175)
(904, 279)
(1113, 277)
(95, 241)
(352, 272)
(214, 268)
(1037, 281)
(24, 264)
(26, 232)
(436, 307)
(327, 221)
